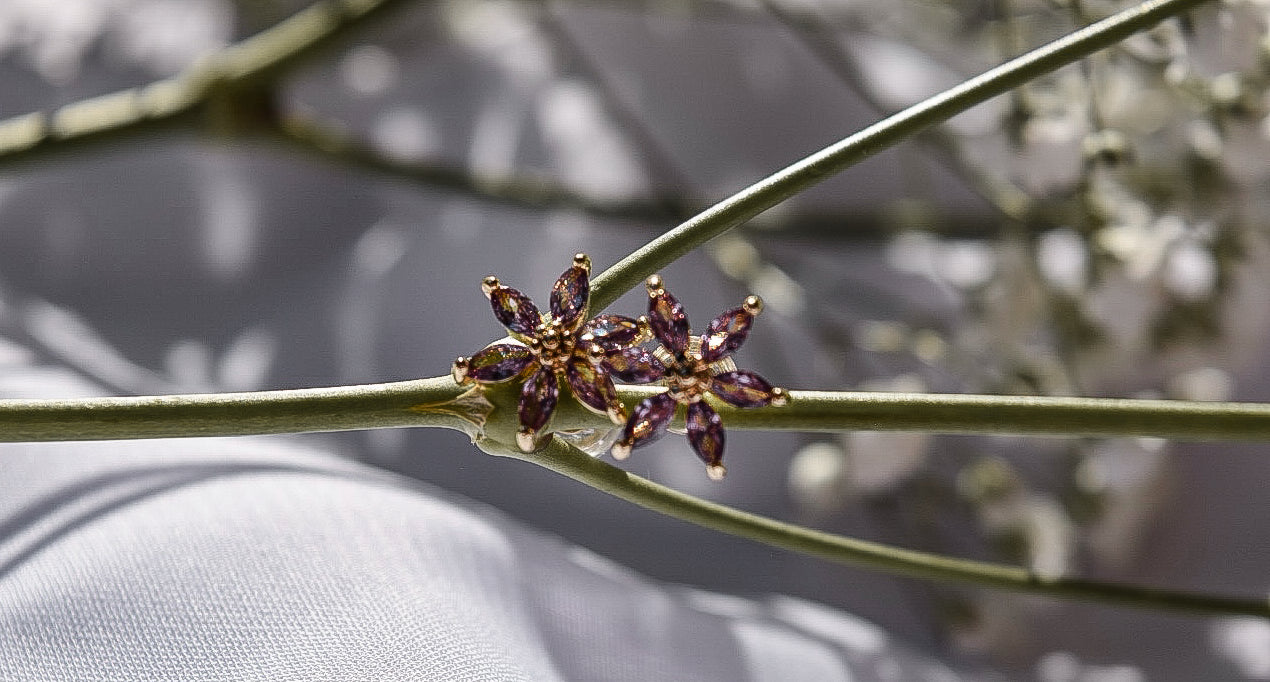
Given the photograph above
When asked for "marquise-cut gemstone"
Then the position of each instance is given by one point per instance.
(570, 295)
(538, 399)
(613, 331)
(669, 321)
(726, 334)
(634, 366)
(515, 310)
(705, 432)
(499, 362)
(649, 420)
(742, 388)
(591, 385)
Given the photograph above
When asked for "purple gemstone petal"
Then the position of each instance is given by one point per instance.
(649, 420)
(570, 295)
(742, 388)
(538, 399)
(613, 331)
(705, 432)
(669, 321)
(634, 366)
(726, 334)
(498, 363)
(590, 384)
(515, 310)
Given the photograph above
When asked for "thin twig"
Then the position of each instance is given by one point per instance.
(569, 461)
(1000, 193)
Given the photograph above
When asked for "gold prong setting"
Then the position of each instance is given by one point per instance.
(556, 347)
(692, 367)
(562, 347)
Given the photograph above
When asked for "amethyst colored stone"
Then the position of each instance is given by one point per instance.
(515, 310)
(726, 334)
(498, 363)
(613, 331)
(705, 432)
(649, 420)
(538, 399)
(742, 388)
(669, 321)
(570, 295)
(590, 384)
(634, 366)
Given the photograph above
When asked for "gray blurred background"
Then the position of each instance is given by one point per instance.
(1101, 232)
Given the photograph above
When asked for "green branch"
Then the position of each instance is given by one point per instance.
(1030, 415)
(989, 414)
(424, 402)
(811, 170)
(439, 402)
(569, 461)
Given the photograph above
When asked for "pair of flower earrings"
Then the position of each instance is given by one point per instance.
(590, 354)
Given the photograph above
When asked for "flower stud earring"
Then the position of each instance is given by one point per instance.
(691, 366)
(561, 344)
